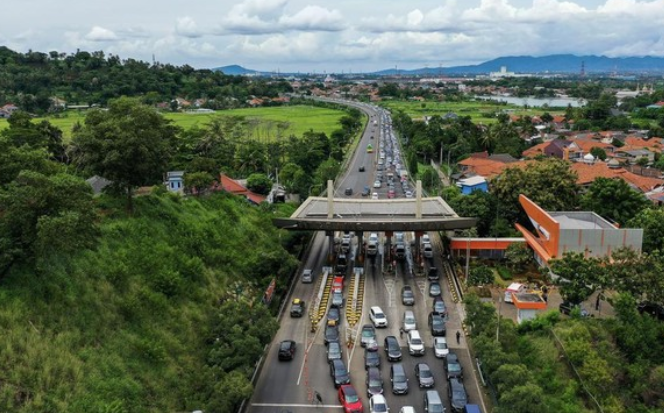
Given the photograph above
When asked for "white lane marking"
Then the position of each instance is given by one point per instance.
(306, 352)
(295, 405)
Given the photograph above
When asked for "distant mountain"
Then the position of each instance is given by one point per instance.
(235, 70)
(565, 63)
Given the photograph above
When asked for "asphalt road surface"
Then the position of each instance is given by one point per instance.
(291, 386)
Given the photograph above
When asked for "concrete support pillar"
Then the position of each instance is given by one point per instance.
(418, 200)
(330, 199)
(360, 247)
(330, 250)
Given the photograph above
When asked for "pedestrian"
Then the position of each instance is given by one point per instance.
(597, 303)
(458, 335)
(401, 332)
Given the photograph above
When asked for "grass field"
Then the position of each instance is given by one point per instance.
(300, 118)
(479, 111)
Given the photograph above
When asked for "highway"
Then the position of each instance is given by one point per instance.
(291, 386)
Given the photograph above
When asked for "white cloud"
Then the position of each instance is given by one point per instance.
(314, 18)
(99, 34)
(269, 16)
(187, 27)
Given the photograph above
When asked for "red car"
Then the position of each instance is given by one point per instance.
(391, 194)
(349, 399)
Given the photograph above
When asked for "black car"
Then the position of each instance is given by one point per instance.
(437, 325)
(424, 375)
(654, 309)
(453, 368)
(374, 382)
(392, 349)
(297, 308)
(339, 373)
(567, 307)
(371, 358)
(435, 289)
(457, 395)
(331, 333)
(361, 168)
(433, 273)
(348, 191)
(439, 306)
(407, 295)
(334, 315)
(287, 350)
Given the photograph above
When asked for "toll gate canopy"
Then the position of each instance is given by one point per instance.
(350, 214)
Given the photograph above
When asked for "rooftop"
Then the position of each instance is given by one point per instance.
(580, 220)
(375, 215)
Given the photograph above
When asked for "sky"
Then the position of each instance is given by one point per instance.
(334, 36)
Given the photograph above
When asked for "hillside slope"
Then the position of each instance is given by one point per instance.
(145, 323)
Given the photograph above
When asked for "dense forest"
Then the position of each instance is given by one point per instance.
(31, 80)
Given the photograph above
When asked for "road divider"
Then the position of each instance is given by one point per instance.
(319, 308)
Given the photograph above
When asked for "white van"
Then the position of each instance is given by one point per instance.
(433, 403)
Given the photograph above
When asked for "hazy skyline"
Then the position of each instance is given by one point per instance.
(335, 36)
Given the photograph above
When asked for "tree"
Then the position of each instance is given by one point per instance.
(480, 275)
(478, 204)
(549, 183)
(198, 182)
(526, 398)
(598, 153)
(44, 216)
(518, 255)
(651, 220)
(130, 145)
(578, 276)
(613, 199)
(259, 183)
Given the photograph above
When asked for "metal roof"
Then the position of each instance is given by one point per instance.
(375, 215)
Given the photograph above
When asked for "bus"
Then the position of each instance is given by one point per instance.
(369, 148)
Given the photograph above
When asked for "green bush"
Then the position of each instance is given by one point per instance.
(504, 273)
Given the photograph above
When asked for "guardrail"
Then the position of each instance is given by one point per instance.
(354, 303)
(319, 308)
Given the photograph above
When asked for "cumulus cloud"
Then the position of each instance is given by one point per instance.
(187, 27)
(269, 16)
(313, 18)
(99, 34)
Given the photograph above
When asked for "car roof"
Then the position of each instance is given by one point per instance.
(297, 301)
(376, 309)
(440, 339)
(348, 389)
(378, 398)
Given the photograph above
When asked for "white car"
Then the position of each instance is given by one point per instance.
(377, 317)
(407, 409)
(374, 195)
(377, 184)
(440, 348)
(415, 343)
(378, 404)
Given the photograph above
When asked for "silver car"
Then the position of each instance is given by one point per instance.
(307, 276)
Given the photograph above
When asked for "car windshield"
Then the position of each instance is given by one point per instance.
(454, 367)
(375, 382)
(416, 341)
(285, 345)
(437, 322)
(351, 398)
(459, 396)
(367, 333)
(380, 315)
(425, 373)
(380, 407)
(440, 345)
(410, 319)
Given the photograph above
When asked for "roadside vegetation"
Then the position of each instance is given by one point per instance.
(576, 364)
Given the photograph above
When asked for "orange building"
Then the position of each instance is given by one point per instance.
(575, 231)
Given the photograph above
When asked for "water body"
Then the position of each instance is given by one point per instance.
(559, 102)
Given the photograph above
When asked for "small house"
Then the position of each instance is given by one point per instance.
(474, 183)
(175, 181)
